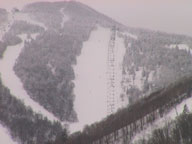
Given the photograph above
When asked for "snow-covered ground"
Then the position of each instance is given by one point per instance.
(131, 35)
(11, 81)
(159, 123)
(91, 78)
(5, 137)
(65, 17)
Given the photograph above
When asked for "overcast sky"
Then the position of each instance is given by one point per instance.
(173, 16)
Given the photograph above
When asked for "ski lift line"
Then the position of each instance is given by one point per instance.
(111, 74)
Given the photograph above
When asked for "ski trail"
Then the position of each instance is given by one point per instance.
(11, 81)
(91, 82)
(91, 79)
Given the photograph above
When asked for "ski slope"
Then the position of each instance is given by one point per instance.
(90, 83)
(91, 78)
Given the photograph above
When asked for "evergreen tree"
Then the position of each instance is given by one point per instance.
(185, 109)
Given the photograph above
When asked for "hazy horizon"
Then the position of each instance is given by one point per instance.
(172, 16)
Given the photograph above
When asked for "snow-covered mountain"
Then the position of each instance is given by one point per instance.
(56, 63)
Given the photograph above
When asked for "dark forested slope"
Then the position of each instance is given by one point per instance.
(152, 62)
(24, 125)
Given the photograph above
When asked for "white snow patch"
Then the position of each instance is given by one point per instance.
(65, 17)
(11, 81)
(5, 137)
(34, 35)
(160, 123)
(131, 35)
(151, 76)
(129, 45)
(180, 47)
(91, 79)
(52, 68)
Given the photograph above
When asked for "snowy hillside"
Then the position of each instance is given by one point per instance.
(65, 63)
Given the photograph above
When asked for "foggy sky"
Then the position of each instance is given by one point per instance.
(173, 16)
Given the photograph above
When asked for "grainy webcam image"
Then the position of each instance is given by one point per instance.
(95, 72)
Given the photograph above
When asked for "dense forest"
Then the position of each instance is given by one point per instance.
(149, 61)
(23, 124)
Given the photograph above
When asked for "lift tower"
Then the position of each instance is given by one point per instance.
(111, 73)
